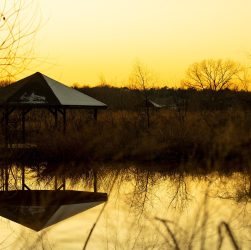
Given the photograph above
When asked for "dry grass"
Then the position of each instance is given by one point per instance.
(217, 140)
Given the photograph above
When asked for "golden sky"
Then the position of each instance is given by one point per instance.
(81, 41)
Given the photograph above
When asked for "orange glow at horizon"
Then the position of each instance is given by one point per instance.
(83, 41)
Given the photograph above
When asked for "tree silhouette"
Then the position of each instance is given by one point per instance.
(142, 80)
(215, 75)
(17, 29)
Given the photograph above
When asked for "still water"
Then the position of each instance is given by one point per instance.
(146, 210)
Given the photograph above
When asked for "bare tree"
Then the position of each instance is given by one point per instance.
(216, 75)
(142, 80)
(18, 25)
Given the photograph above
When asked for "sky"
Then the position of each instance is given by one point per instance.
(84, 41)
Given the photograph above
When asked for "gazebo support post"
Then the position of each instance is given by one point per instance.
(56, 182)
(6, 179)
(63, 185)
(63, 182)
(23, 127)
(64, 120)
(54, 112)
(95, 114)
(63, 112)
(6, 127)
(24, 186)
(95, 182)
(23, 177)
(7, 113)
(24, 112)
(2, 179)
(56, 117)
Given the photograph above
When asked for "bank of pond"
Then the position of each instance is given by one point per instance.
(216, 140)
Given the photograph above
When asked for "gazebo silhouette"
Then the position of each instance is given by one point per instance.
(39, 91)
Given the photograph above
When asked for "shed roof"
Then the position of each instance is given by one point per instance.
(41, 90)
(155, 105)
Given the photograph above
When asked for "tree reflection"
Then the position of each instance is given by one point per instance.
(238, 189)
(153, 210)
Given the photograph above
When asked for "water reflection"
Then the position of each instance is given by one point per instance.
(38, 209)
(146, 210)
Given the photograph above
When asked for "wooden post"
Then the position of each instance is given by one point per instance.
(56, 117)
(63, 181)
(23, 126)
(56, 182)
(7, 113)
(23, 177)
(24, 113)
(95, 182)
(6, 127)
(2, 178)
(95, 114)
(147, 113)
(6, 178)
(64, 120)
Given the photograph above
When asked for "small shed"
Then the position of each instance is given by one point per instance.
(152, 104)
(42, 92)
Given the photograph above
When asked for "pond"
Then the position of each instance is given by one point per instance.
(145, 210)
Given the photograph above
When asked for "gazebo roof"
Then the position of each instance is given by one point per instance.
(41, 90)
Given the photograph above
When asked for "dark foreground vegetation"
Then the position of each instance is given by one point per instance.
(207, 129)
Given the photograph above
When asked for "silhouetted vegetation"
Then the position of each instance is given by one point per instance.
(193, 100)
(217, 75)
(197, 131)
(18, 28)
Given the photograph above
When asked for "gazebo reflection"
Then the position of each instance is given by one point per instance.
(38, 209)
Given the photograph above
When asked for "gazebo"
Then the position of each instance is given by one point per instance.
(39, 91)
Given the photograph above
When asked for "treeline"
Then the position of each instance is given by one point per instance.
(198, 131)
(191, 99)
